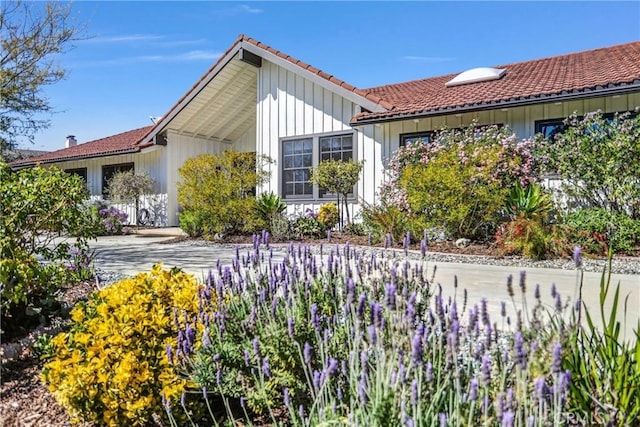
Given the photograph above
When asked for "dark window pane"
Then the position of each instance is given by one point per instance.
(287, 148)
(288, 189)
(288, 162)
(308, 188)
(299, 188)
(307, 160)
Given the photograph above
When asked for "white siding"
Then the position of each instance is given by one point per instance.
(179, 149)
(153, 163)
(290, 106)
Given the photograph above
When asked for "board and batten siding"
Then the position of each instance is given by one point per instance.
(291, 106)
(152, 163)
(180, 148)
(520, 119)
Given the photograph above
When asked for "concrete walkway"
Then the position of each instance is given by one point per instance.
(137, 253)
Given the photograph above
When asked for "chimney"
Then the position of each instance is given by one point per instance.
(70, 142)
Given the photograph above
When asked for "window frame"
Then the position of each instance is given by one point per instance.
(315, 160)
(402, 142)
(117, 167)
(81, 172)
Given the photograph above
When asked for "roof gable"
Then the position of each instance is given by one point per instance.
(369, 101)
(605, 70)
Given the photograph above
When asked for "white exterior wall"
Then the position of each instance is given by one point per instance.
(292, 106)
(521, 119)
(153, 163)
(180, 148)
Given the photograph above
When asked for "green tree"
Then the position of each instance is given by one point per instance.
(32, 36)
(217, 193)
(597, 160)
(128, 187)
(338, 177)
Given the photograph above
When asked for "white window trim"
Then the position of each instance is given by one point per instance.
(315, 160)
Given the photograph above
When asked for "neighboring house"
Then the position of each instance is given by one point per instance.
(258, 99)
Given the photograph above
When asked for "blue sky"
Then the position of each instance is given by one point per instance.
(141, 57)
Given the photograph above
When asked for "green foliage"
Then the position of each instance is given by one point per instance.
(127, 187)
(308, 225)
(355, 229)
(328, 215)
(605, 380)
(384, 219)
(269, 206)
(530, 201)
(596, 161)
(338, 177)
(33, 37)
(216, 193)
(37, 205)
(461, 196)
(281, 228)
(597, 229)
(111, 368)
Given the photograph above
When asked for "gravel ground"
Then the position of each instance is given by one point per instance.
(619, 265)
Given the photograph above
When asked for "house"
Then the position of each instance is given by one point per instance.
(258, 99)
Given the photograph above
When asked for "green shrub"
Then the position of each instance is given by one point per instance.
(308, 225)
(111, 368)
(605, 380)
(460, 196)
(36, 206)
(281, 228)
(382, 220)
(596, 159)
(597, 229)
(216, 193)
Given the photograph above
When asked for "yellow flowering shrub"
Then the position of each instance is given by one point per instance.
(112, 367)
(328, 214)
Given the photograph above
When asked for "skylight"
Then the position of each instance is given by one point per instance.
(476, 75)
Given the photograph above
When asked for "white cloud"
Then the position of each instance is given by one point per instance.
(428, 58)
(126, 38)
(193, 55)
(249, 9)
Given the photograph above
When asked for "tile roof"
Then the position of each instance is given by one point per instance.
(121, 143)
(571, 74)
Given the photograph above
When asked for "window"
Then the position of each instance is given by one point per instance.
(410, 138)
(300, 155)
(109, 170)
(81, 172)
(550, 128)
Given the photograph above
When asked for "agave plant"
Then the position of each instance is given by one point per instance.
(530, 201)
(269, 205)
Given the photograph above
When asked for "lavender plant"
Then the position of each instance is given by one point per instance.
(354, 337)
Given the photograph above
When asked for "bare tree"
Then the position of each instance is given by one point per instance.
(32, 37)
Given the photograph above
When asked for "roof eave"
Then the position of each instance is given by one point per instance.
(31, 163)
(509, 103)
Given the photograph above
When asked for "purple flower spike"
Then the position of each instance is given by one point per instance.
(315, 319)
(307, 353)
(416, 348)
(577, 258)
(373, 336)
(507, 419)
(414, 392)
(443, 419)
(265, 367)
(558, 302)
(170, 353)
(540, 387)
(290, 324)
(523, 281)
(486, 369)
(362, 389)
(520, 352)
(537, 293)
(429, 371)
(473, 390)
(286, 398)
(256, 347)
(390, 296)
(553, 290)
(247, 358)
(556, 363)
(332, 369)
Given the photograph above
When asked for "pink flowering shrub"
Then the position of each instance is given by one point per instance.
(597, 159)
(460, 179)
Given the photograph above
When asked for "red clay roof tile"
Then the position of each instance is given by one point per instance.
(573, 73)
(116, 144)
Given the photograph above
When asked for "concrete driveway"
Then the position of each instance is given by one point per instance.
(135, 253)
